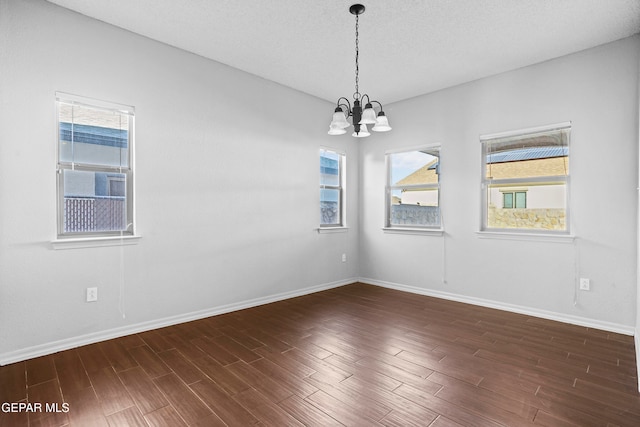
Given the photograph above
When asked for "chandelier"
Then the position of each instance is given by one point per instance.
(359, 118)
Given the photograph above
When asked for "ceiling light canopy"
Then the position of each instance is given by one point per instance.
(359, 117)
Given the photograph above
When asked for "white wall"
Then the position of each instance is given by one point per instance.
(597, 90)
(227, 175)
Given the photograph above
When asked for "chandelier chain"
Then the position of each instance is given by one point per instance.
(356, 95)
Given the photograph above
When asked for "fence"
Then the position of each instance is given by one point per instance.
(82, 214)
(329, 213)
(415, 215)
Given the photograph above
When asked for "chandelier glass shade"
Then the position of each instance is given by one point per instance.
(359, 118)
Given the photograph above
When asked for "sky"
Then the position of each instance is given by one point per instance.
(404, 164)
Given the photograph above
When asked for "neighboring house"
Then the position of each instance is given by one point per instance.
(525, 163)
(417, 204)
(529, 202)
(93, 200)
(428, 174)
(329, 197)
(329, 168)
(520, 163)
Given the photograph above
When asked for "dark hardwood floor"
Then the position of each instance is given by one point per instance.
(357, 355)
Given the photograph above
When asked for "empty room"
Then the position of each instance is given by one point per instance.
(394, 213)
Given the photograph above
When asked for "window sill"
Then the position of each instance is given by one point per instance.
(94, 242)
(327, 230)
(416, 231)
(531, 237)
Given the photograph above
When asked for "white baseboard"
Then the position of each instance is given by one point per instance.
(559, 317)
(73, 342)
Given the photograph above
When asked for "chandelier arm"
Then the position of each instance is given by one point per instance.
(377, 102)
(347, 105)
(348, 111)
(346, 100)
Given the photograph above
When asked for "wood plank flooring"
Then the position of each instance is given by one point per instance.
(357, 355)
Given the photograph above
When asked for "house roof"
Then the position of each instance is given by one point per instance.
(528, 153)
(428, 174)
(528, 162)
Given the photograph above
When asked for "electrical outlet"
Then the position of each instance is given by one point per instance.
(92, 294)
(585, 284)
(344, 257)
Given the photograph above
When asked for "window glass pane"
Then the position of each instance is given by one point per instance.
(414, 167)
(541, 207)
(528, 156)
(94, 201)
(507, 200)
(413, 185)
(331, 188)
(329, 207)
(93, 136)
(526, 180)
(329, 168)
(415, 207)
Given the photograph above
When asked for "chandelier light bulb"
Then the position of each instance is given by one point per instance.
(336, 131)
(382, 123)
(339, 119)
(362, 133)
(368, 115)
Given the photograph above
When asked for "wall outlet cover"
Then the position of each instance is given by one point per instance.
(585, 284)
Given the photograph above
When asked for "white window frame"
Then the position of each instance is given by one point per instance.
(389, 188)
(80, 239)
(518, 184)
(341, 187)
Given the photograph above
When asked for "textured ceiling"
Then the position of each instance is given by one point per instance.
(407, 47)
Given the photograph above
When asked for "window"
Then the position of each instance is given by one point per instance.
(331, 188)
(525, 180)
(413, 189)
(514, 199)
(95, 177)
